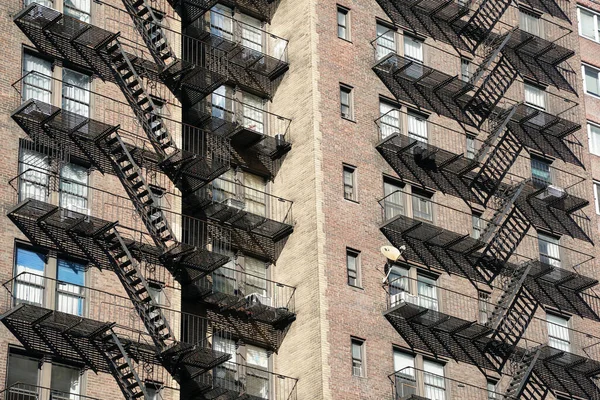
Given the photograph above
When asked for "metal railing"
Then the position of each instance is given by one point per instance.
(245, 116)
(23, 391)
(406, 290)
(413, 381)
(255, 381)
(238, 283)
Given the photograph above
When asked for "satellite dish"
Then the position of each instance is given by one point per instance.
(392, 253)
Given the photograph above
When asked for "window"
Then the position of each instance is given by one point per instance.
(389, 122)
(37, 83)
(540, 172)
(257, 379)
(222, 103)
(492, 386)
(253, 112)
(393, 202)
(76, 93)
(386, 41)
(153, 391)
(483, 299)
(65, 381)
(255, 195)
(427, 292)
(79, 9)
(358, 353)
(594, 138)
(398, 283)
(221, 23)
(70, 294)
(74, 188)
(465, 69)
(530, 23)
(24, 370)
(350, 183)
(471, 150)
(343, 22)
(405, 380)
(417, 127)
(353, 267)
(251, 32)
(558, 332)
(588, 24)
(549, 250)
(346, 106)
(433, 380)
(597, 196)
(256, 279)
(46, 3)
(477, 225)
(590, 80)
(421, 204)
(29, 272)
(225, 374)
(34, 167)
(535, 96)
(413, 48)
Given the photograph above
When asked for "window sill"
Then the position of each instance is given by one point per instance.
(345, 40)
(358, 288)
(352, 200)
(348, 119)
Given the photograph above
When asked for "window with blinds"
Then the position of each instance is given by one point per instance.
(530, 23)
(433, 380)
(427, 292)
(549, 250)
(386, 41)
(221, 22)
(34, 168)
(541, 175)
(413, 48)
(535, 96)
(389, 121)
(558, 332)
(37, 84)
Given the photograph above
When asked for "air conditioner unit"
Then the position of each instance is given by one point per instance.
(258, 299)
(551, 192)
(235, 203)
(403, 297)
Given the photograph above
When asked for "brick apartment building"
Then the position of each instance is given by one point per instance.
(194, 196)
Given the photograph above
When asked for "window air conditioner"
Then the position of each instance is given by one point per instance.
(258, 299)
(551, 192)
(235, 203)
(404, 297)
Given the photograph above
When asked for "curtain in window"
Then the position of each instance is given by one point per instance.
(224, 280)
(34, 179)
(586, 22)
(76, 93)
(70, 290)
(433, 378)
(558, 332)
(253, 111)
(255, 196)
(256, 279)
(65, 383)
(529, 23)
(417, 128)
(427, 292)
(251, 32)
(258, 377)
(535, 96)
(389, 123)
(37, 85)
(394, 200)
(549, 250)
(29, 284)
(73, 188)
(221, 23)
(225, 375)
(79, 9)
(386, 41)
(223, 187)
(413, 48)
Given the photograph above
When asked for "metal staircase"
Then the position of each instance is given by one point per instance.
(483, 103)
(506, 229)
(511, 316)
(481, 24)
(493, 46)
(122, 367)
(524, 384)
(497, 155)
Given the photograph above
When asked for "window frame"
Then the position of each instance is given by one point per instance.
(418, 193)
(361, 368)
(595, 16)
(349, 91)
(536, 180)
(415, 39)
(592, 125)
(345, 11)
(357, 278)
(540, 91)
(566, 326)
(551, 241)
(596, 189)
(388, 50)
(346, 168)
(585, 89)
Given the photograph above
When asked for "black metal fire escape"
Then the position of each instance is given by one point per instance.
(524, 383)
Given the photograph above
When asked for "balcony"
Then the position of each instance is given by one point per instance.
(262, 55)
(233, 380)
(260, 309)
(190, 10)
(69, 321)
(261, 222)
(23, 391)
(77, 219)
(260, 139)
(466, 329)
(422, 384)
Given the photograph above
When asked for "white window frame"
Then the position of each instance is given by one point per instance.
(585, 89)
(597, 196)
(352, 254)
(595, 16)
(465, 69)
(593, 139)
(434, 380)
(420, 56)
(390, 119)
(386, 40)
(345, 12)
(537, 94)
(358, 363)
(531, 22)
(558, 332)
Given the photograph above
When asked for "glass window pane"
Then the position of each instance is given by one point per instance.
(386, 41)
(37, 83)
(535, 96)
(529, 23)
(413, 48)
(586, 24)
(591, 80)
(594, 136)
(76, 93)
(65, 381)
(33, 183)
(70, 291)
(417, 128)
(79, 9)
(22, 369)
(29, 270)
(73, 188)
(389, 123)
